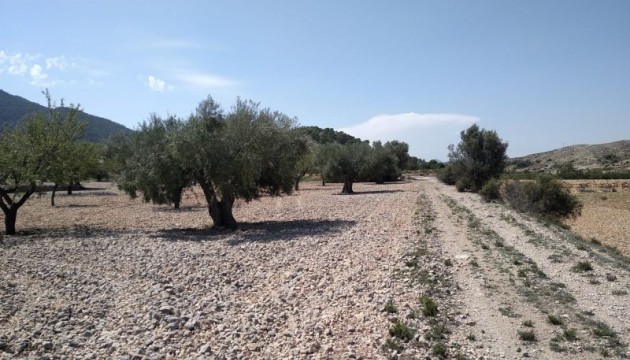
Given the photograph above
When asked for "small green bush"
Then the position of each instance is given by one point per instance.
(402, 331)
(490, 190)
(447, 175)
(429, 306)
(545, 197)
(461, 185)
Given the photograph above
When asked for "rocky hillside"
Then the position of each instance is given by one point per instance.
(610, 156)
(15, 109)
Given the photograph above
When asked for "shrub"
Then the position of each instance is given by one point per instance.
(490, 190)
(544, 197)
(447, 176)
(402, 331)
(461, 185)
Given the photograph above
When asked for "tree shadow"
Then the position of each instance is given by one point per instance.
(187, 208)
(369, 192)
(268, 231)
(77, 232)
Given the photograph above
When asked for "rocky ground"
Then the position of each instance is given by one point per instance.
(409, 270)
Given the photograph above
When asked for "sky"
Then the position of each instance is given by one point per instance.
(542, 73)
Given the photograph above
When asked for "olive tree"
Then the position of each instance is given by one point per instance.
(479, 157)
(33, 152)
(149, 163)
(242, 154)
(347, 163)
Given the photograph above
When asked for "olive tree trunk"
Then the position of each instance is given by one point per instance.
(347, 187)
(10, 209)
(52, 196)
(220, 210)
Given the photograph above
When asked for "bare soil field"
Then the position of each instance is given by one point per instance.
(403, 271)
(606, 213)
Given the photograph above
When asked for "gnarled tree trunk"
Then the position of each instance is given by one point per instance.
(347, 187)
(219, 210)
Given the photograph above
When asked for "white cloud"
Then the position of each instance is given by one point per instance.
(45, 72)
(157, 85)
(15, 64)
(382, 127)
(206, 81)
(39, 77)
(428, 135)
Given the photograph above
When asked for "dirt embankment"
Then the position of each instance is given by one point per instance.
(397, 271)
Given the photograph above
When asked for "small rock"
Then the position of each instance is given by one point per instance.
(167, 310)
(253, 347)
(205, 349)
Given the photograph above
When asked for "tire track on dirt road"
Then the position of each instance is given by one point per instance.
(516, 299)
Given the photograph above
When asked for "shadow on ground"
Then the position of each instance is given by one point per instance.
(267, 231)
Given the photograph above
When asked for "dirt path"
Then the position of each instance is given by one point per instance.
(523, 289)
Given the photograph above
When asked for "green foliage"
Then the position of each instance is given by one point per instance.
(462, 185)
(490, 190)
(402, 331)
(248, 152)
(447, 175)
(149, 163)
(328, 136)
(401, 151)
(479, 157)
(429, 306)
(382, 164)
(544, 197)
(43, 147)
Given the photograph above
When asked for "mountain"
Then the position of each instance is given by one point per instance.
(15, 109)
(609, 156)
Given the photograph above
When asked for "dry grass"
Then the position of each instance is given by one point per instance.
(606, 212)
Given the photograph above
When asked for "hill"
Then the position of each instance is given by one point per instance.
(609, 156)
(15, 109)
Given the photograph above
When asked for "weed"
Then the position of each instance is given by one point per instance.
(499, 243)
(412, 263)
(620, 292)
(392, 344)
(429, 306)
(402, 331)
(474, 263)
(448, 262)
(485, 247)
(461, 356)
(594, 281)
(611, 277)
(439, 349)
(436, 332)
(508, 311)
(554, 320)
(471, 337)
(604, 352)
(603, 330)
(581, 247)
(582, 266)
(528, 323)
(555, 258)
(390, 308)
(554, 345)
(527, 335)
(596, 242)
(570, 334)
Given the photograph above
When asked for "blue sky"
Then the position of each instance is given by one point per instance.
(542, 73)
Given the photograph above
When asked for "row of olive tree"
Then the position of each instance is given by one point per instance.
(46, 147)
(244, 153)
